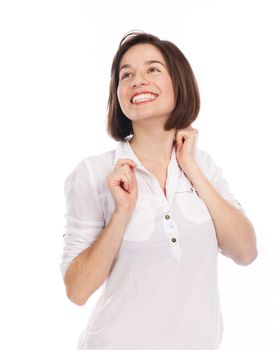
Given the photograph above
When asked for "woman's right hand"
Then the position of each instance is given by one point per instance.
(122, 183)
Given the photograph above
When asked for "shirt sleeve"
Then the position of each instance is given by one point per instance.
(84, 216)
(214, 174)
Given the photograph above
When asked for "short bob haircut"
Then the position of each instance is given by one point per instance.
(186, 93)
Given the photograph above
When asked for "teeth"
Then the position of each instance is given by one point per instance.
(143, 97)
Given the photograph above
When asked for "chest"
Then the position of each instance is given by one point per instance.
(160, 172)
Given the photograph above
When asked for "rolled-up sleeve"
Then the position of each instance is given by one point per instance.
(214, 174)
(84, 215)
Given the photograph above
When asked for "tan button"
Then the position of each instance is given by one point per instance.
(167, 216)
(173, 240)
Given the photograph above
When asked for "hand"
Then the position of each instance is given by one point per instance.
(186, 140)
(123, 185)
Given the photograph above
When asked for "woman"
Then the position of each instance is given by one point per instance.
(149, 217)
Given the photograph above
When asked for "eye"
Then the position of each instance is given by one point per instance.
(125, 75)
(153, 69)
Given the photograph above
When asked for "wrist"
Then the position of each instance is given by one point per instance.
(122, 214)
(190, 167)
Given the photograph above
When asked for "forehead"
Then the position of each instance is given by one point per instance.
(140, 53)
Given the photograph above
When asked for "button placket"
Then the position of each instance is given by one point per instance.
(173, 235)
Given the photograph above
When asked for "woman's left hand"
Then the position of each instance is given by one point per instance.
(186, 141)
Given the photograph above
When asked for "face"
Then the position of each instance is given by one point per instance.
(145, 87)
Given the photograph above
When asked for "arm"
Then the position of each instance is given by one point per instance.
(88, 271)
(90, 245)
(235, 233)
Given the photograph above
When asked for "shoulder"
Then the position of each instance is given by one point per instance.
(207, 164)
(92, 169)
(100, 164)
(90, 174)
(97, 162)
(203, 158)
(101, 159)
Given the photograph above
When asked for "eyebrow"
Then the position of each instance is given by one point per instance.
(146, 63)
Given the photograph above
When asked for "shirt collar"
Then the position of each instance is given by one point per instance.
(125, 151)
(175, 173)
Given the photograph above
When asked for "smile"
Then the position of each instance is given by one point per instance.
(143, 98)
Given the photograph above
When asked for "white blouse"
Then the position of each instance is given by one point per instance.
(162, 291)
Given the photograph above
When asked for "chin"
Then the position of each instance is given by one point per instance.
(142, 116)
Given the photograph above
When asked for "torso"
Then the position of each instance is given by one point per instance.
(160, 172)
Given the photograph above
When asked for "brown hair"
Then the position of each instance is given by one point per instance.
(187, 99)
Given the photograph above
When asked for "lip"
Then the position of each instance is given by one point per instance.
(142, 92)
(143, 102)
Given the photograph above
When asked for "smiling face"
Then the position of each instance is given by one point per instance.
(145, 87)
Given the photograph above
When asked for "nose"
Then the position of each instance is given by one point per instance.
(139, 80)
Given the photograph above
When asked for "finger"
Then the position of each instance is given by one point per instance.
(179, 140)
(128, 177)
(125, 167)
(126, 182)
(126, 187)
(183, 134)
(133, 181)
(123, 173)
(187, 131)
(122, 162)
(127, 171)
(123, 177)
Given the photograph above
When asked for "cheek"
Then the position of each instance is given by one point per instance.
(120, 94)
(171, 92)
(169, 89)
(166, 85)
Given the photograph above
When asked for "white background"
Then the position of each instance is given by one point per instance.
(54, 77)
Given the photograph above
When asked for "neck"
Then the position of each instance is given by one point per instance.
(155, 148)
